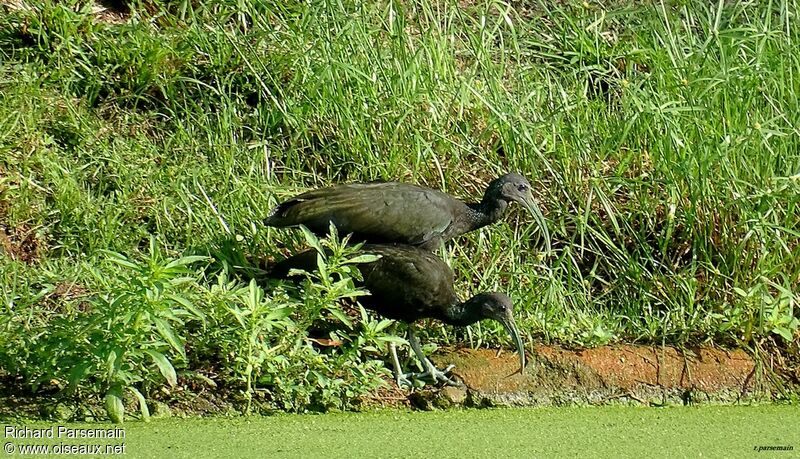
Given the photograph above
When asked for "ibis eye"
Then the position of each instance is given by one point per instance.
(522, 187)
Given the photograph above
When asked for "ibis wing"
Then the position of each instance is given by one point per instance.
(379, 212)
(408, 283)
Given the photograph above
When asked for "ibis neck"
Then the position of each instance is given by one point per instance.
(486, 212)
(461, 314)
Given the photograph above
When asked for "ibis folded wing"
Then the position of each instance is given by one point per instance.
(377, 212)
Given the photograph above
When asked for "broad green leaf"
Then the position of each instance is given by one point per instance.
(279, 313)
(383, 324)
(181, 280)
(188, 305)
(164, 366)
(311, 238)
(393, 339)
(339, 314)
(77, 374)
(153, 246)
(297, 272)
(366, 258)
(142, 403)
(333, 233)
(342, 285)
(255, 295)
(113, 254)
(114, 304)
(355, 293)
(784, 332)
(113, 403)
(322, 266)
(111, 363)
(183, 261)
(237, 314)
(166, 332)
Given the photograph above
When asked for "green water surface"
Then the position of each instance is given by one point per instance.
(546, 432)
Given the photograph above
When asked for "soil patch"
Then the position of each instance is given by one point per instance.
(20, 243)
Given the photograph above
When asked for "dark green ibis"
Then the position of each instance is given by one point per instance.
(393, 212)
(408, 284)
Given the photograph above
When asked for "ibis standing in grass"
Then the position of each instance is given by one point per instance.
(407, 284)
(393, 212)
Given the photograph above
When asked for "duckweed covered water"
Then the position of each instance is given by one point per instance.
(714, 431)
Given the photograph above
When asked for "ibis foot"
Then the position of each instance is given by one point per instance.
(433, 374)
(402, 380)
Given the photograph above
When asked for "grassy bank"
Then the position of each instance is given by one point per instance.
(662, 140)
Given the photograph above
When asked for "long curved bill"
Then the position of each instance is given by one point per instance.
(533, 208)
(511, 328)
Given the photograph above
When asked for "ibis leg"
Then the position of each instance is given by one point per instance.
(431, 372)
(399, 377)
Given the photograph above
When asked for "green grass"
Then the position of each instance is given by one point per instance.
(552, 432)
(662, 139)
